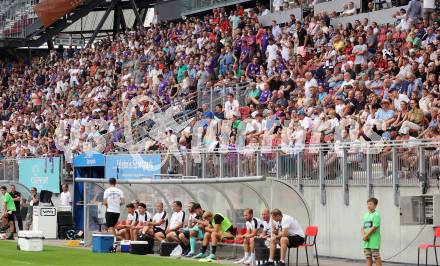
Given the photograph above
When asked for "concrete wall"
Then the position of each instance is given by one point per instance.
(381, 17)
(339, 225)
(280, 16)
(335, 5)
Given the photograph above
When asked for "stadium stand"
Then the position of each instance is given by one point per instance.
(308, 82)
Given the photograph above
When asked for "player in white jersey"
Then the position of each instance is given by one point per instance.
(113, 200)
(176, 222)
(267, 224)
(254, 227)
(289, 235)
(143, 217)
(159, 223)
(184, 232)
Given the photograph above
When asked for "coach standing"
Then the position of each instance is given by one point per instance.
(17, 199)
(113, 200)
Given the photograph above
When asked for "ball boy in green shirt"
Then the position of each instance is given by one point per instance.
(370, 232)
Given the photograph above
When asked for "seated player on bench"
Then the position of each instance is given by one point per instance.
(267, 224)
(194, 231)
(176, 222)
(143, 217)
(156, 228)
(254, 226)
(185, 230)
(123, 230)
(217, 228)
(287, 233)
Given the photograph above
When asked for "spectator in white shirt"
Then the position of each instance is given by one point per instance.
(231, 107)
(310, 83)
(65, 197)
(277, 4)
(349, 10)
(271, 51)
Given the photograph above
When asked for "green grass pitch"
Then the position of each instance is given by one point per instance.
(65, 256)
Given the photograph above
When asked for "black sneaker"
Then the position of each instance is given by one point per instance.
(185, 250)
(281, 264)
(269, 263)
(11, 237)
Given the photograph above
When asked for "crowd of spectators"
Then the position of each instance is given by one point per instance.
(311, 82)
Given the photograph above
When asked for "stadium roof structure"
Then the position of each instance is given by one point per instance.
(87, 19)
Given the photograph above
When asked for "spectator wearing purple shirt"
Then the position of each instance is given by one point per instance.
(163, 84)
(253, 69)
(131, 90)
(265, 94)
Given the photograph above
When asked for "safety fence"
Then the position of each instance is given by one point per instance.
(313, 165)
(396, 164)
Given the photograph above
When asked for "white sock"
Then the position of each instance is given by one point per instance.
(270, 260)
(246, 255)
(252, 255)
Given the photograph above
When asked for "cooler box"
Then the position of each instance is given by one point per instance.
(139, 247)
(30, 240)
(125, 246)
(102, 243)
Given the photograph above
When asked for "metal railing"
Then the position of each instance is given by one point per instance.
(369, 163)
(395, 164)
(386, 165)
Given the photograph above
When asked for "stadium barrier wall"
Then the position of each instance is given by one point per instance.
(382, 16)
(280, 16)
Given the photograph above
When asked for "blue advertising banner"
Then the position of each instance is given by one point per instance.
(42, 173)
(89, 159)
(132, 166)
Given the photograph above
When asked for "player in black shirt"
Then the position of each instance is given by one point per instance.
(17, 199)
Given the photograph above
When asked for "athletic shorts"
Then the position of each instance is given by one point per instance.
(186, 234)
(371, 253)
(158, 230)
(295, 241)
(11, 217)
(111, 219)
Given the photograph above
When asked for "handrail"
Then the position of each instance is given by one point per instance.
(407, 144)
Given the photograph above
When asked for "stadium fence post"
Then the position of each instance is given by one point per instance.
(396, 183)
(187, 164)
(299, 171)
(345, 177)
(203, 164)
(369, 174)
(221, 168)
(278, 164)
(258, 161)
(210, 99)
(423, 176)
(322, 175)
(238, 164)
